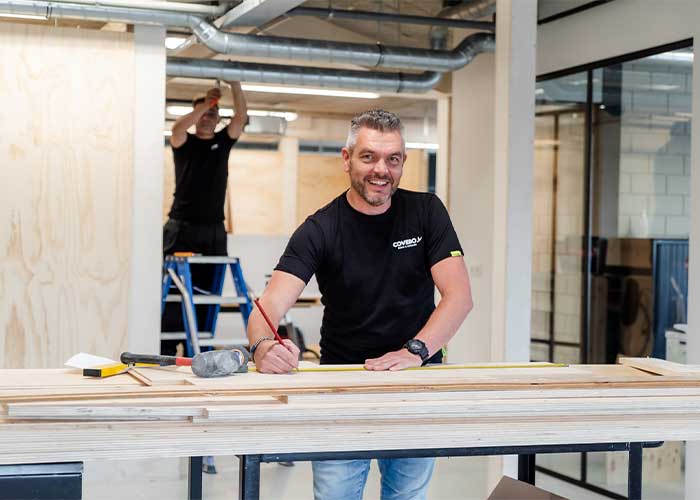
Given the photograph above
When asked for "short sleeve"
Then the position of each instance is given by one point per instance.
(304, 251)
(442, 240)
(224, 139)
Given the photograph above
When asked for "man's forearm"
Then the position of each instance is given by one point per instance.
(257, 326)
(445, 320)
(239, 103)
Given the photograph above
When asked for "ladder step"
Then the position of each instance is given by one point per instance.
(183, 335)
(209, 299)
(215, 342)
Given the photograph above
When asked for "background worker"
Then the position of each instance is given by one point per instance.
(378, 252)
(196, 218)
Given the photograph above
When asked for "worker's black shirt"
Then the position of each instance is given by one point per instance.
(373, 271)
(201, 173)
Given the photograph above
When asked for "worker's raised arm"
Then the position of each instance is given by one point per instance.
(179, 135)
(269, 355)
(239, 120)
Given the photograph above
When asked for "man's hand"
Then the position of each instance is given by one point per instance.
(234, 85)
(393, 361)
(212, 97)
(273, 357)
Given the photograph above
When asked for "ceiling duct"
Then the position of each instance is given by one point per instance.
(255, 46)
(332, 52)
(302, 76)
(322, 77)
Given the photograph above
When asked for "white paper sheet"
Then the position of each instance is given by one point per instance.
(84, 360)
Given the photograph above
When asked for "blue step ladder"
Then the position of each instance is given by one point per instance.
(176, 271)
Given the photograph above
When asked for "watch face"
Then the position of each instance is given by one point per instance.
(414, 346)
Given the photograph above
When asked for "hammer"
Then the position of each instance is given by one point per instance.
(206, 364)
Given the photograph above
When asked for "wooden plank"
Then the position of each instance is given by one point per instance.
(661, 367)
(33, 442)
(65, 213)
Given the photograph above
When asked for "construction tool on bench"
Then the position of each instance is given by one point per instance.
(206, 364)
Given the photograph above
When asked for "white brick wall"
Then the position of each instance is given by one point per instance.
(654, 153)
(678, 184)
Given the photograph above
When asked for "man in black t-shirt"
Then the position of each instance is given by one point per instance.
(196, 217)
(378, 252)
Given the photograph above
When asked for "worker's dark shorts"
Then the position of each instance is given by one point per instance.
(183, 236)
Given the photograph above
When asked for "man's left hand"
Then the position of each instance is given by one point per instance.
(393, 361)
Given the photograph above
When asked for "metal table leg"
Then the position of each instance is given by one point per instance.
(634, 472)
(526, 468)
(249, 477)
(194, 479)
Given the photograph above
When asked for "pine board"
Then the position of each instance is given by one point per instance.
(36, 442)
(338, 411)
(66, 204)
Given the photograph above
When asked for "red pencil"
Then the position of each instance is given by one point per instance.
(267, 320)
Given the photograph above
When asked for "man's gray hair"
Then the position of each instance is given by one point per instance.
(375, 119)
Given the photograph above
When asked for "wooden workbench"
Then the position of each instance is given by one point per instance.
(60, 416)
(50, 416)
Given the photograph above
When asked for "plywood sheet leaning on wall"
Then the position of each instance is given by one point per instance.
(65, 209)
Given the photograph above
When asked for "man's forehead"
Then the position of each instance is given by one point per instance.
(368, 138)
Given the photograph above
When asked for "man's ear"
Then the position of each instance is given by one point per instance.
(346, 159)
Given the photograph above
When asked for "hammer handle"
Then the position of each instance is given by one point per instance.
(129, 358)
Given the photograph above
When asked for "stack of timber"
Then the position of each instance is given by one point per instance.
(59, 415)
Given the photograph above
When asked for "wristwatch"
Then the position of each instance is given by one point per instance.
(415, 346)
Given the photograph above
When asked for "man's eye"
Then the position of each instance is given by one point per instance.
(366, 157)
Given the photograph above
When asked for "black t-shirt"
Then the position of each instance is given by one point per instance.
(373, 271)
(201, 173)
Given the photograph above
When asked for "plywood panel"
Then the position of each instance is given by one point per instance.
(65, 208)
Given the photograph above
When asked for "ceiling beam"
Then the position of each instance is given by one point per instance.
(256, 12)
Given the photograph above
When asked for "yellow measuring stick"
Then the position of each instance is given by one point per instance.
(322, 368)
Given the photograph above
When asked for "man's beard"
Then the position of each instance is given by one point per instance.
(360, 186)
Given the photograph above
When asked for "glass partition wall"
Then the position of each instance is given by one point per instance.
(611, 224)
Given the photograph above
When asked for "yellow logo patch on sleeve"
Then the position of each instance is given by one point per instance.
(455, 253)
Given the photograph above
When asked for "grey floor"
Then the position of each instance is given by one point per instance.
(454, 479)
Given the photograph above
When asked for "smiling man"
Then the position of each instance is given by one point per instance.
(378, 253)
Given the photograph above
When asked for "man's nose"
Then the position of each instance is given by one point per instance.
(380, 167)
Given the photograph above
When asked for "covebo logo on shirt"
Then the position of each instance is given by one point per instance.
(407, 243)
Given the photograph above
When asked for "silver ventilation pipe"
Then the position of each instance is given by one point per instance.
(302, 76)
(89, 12)
(333, 52)
(321, 77)
(256, 46)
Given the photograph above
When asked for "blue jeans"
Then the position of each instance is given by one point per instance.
(402, 478)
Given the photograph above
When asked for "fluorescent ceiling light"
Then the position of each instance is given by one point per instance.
(24, 16)
(422, 145)
(287, 115)
(228, 112)
(310, 91)
(173, 42)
